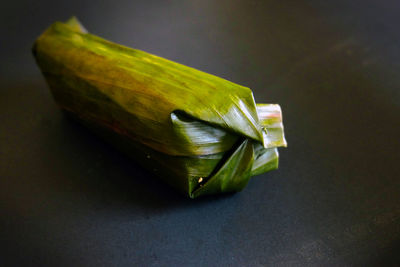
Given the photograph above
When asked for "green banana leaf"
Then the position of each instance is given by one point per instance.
(198, 132)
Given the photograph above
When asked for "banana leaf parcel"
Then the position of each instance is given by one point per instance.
(199, 133)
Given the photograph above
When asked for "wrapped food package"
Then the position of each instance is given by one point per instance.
(199, 133)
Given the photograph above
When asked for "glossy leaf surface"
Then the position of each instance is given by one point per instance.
(198, 132)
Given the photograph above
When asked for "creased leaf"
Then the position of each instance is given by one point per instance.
(200, 133)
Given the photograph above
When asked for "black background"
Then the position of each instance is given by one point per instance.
(69, 199)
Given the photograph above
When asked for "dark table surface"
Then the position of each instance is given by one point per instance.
(69, 199)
